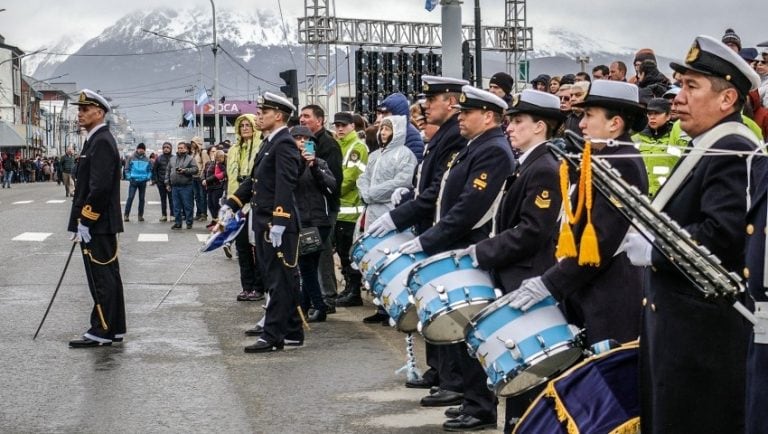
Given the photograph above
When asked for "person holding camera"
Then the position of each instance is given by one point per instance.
(315, 190)
(178, 181)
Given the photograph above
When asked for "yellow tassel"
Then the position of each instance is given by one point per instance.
(589, 253)
(566, 244)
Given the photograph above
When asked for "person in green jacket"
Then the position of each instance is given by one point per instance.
(659, 148)
(355, 158)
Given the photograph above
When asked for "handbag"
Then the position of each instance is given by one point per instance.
(309, 240)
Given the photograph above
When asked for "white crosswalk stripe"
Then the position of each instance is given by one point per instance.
(23, 202)
(55, 201)
(152, 238)
(32, 236)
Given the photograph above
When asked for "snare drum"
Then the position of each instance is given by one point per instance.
(448, 291)
(389, 286)
(520, 350)
(369, 250)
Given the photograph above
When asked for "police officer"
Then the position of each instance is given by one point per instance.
(527, 217)
(598, 288)
(463, 211)
(441, 95)
(693, 349)
(270, 191)
(95, 221)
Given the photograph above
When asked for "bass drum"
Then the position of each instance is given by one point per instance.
(599, 395)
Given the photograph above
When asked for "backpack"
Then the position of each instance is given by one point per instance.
(139, 170)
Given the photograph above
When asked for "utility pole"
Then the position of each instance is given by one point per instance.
(478, 47)
(217, 131)
(451, 36)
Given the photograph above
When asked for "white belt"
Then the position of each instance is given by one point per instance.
(761, 328)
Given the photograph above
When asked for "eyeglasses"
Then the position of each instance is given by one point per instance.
(760, 62)
(565, 98)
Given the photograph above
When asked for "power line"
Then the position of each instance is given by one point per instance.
(149, 53)
(285, 32)
(237, 62)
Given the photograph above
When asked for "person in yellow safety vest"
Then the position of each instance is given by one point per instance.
(659, 150)
(355, 157)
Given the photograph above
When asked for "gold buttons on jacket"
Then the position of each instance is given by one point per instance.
(750, 229)
(746, 272)
(645, 301)
(653, 307)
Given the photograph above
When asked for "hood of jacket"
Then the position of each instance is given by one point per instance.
(397, 104)
(137, 156)
(252, 119)
(399, 130)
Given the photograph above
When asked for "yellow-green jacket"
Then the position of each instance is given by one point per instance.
(660, 150)
(241, 155)
(355, 159)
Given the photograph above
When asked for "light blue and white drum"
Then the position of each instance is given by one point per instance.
(390, 287)
(520, 350)
(448, 291)
(368, 250)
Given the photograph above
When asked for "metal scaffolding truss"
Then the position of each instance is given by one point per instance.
(403, 34)
(320, 28)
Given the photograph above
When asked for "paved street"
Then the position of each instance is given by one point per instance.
(182, 366)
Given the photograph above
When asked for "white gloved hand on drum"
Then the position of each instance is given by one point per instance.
(470, 251)
(531, 292)
(382, 225)
(638, 249)
(411, 247)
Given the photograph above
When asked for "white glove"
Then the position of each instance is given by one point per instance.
(382, 225)
(528, 294)
(83, 234)
(470, 251)
(411, 247)
(226, 215)
(398, 194)
(276, 235)
(638, 249)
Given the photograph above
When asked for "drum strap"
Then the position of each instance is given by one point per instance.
(761, 328)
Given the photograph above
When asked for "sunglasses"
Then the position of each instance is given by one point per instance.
(565, 98)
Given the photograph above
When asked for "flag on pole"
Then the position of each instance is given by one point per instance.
(330, 86)
(190, 117)
(430, 5)
(203, 97)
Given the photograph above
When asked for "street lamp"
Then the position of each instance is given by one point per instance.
(215, 48)
(200, 54)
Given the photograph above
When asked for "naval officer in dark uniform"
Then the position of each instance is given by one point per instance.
(441, 94)
(275, 223)
(526, 221)
(693, 349)
(95, 221)
(464, 208)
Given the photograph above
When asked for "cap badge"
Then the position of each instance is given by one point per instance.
(516, 100)
(693, 53)
(425, 86)
(463, 97)
(82, 97)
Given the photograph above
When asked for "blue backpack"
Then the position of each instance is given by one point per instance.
(140, 170)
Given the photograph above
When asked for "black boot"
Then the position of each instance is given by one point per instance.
(351, 299)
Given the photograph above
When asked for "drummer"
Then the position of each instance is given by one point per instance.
(468, 192)
(526, 220)
(600, 290)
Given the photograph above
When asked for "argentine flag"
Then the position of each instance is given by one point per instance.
(203, 97)
(430, 5)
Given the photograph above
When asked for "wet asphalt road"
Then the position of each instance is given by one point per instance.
(182, 367)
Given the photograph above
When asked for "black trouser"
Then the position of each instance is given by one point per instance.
(478, 401)
(250, 274)
(311, 294)
(213, 196)
(444, 370)
(327, 267)
(166, 200)
(344, 234)
(517, 406)
(281, 279)
(103, 274)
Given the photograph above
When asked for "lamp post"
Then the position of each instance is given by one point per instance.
(200, 55)
(215, 48)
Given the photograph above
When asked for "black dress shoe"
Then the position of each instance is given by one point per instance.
(329, 309)
(256, 331)
(466, 422)
(377, 317)
(453, 412)
(176, 227)
(262, 346)
(443, 398)
(418, 384)
(434, 389)
(87, 343)
(351, 301)
(316, 316)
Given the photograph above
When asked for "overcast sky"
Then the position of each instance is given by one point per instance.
(667, 26)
